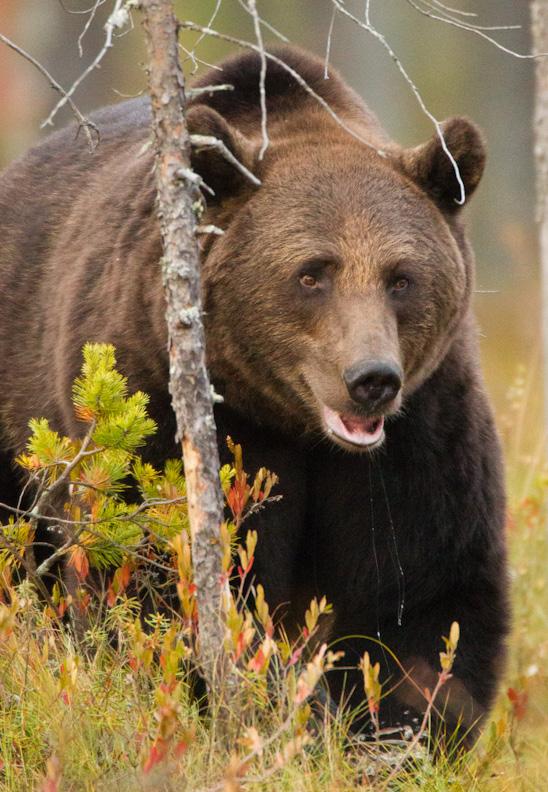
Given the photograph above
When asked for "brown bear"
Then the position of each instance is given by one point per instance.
(339, 332)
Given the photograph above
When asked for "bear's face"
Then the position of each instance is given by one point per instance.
(337, 289)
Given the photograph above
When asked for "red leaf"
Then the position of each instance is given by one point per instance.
(239, 646)
(111, 596)
(519, 700)
(124, 574)
(295, 656)
(180, 748)
(257, 663)
(156, 755)
(238, 495)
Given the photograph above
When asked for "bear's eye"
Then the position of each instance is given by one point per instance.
(309, 281)
(399, 284)
(315, 276)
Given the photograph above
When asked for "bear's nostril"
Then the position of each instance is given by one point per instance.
(373, 384)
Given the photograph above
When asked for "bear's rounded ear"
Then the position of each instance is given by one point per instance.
(219, 174)
(430, 167)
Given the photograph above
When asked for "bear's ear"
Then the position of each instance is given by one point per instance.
(430, 167)
(222, 176)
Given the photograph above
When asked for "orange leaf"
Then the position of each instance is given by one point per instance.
(84, 413)
(257, 663)
(111, 596)
(79, 560)
(519, 700)
(156, 755)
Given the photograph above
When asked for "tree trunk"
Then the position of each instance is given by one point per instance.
(189, 382)
(539, 28)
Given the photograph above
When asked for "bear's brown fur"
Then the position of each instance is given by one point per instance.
(338, 296)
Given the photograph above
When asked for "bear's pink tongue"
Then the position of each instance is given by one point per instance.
(352, 428)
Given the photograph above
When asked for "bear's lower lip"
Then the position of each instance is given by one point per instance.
(354, 430)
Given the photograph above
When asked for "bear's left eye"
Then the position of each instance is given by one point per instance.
(399, 284)
(309, 281)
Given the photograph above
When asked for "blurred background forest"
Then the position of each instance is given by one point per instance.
(456, 73)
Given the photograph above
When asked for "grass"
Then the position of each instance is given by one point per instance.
(119, 715)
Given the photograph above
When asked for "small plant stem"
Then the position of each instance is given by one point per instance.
(443, 677)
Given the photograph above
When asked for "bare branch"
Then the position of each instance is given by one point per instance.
(191, 55)
(202, 35)
(453, 10)
(265, 24)
(252, 8)
(479, 31)
(89, 523)
(447, 12)
(274, 30)
(83, 123)
(80, 12)
(209, 229)
(189, 25)
(117, 20)
(437, 124)
(328, 44)
(89, 22)
(207, 89)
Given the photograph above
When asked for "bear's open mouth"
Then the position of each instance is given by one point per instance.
(355, 430)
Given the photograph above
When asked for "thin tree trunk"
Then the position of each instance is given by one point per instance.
(539, 28)
(189, 382)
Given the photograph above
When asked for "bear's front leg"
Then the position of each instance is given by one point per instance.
(410, 668)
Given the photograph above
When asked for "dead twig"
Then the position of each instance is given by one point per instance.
(190, 25)
(89, 22)
(252, 8)
(478, 30)
(118, 20)
(328, 44)
(437, 124)
(83, 123)
(208, 141)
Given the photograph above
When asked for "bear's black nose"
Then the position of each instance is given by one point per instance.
(373, 383)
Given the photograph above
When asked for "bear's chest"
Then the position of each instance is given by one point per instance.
(376, 525)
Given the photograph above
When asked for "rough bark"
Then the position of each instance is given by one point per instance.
(539, 28)
(189, 382)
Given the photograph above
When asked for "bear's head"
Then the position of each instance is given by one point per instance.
(339, 284)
